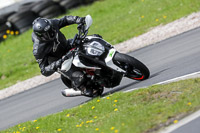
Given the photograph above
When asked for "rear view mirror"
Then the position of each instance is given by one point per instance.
(88, 21)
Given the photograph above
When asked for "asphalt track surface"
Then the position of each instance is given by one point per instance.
(171, 58)
(192, 127)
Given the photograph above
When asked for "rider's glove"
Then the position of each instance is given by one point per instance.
(56, 65)
(80, 20)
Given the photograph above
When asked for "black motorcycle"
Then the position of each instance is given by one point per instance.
(102, 64)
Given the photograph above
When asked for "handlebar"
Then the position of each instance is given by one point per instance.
(74, 39)
(82, 33)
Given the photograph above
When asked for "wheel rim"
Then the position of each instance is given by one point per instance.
(135, 74)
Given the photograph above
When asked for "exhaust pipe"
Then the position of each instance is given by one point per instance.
(71, 93)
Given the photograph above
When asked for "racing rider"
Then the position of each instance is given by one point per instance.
(51, 49)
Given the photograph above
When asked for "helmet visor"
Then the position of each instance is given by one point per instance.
(49, 35)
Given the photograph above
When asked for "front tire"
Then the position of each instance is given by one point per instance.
(134, 68)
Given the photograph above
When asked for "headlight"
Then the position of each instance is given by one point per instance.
(95, 49)
(95, 52)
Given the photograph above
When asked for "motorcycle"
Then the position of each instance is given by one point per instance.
(102, 64)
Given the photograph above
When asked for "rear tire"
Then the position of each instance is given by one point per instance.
(66, 81)
(134, 68)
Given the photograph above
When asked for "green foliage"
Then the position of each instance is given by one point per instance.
(143, 110)
(17, 61)
(115, 20)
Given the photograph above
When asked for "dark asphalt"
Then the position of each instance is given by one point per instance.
(168, 59)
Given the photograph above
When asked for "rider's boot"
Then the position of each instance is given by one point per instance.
(87, 91)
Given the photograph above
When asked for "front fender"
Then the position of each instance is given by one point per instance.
(109, 61)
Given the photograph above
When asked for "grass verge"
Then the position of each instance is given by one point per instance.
(115, 20)
(144, 110)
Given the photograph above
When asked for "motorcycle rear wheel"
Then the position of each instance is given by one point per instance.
(134, 68)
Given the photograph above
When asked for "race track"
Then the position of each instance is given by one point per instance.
(168, 59)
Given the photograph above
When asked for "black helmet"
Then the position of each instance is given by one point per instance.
(43, 29)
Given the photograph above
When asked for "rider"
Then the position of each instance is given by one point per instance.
(50, 48)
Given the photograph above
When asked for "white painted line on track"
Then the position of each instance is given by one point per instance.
(192, 75)
(186, 119)
(135, 89)
(181, 122)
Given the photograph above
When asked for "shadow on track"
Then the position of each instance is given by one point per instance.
(127, 85)
(132, 83)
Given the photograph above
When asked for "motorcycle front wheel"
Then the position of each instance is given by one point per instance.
(134, 68)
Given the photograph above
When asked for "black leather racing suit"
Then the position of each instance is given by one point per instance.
(49, 54)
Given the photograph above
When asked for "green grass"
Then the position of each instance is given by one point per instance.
(115, 20)
(143, 110)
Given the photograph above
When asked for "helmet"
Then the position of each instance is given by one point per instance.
(43, 29)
